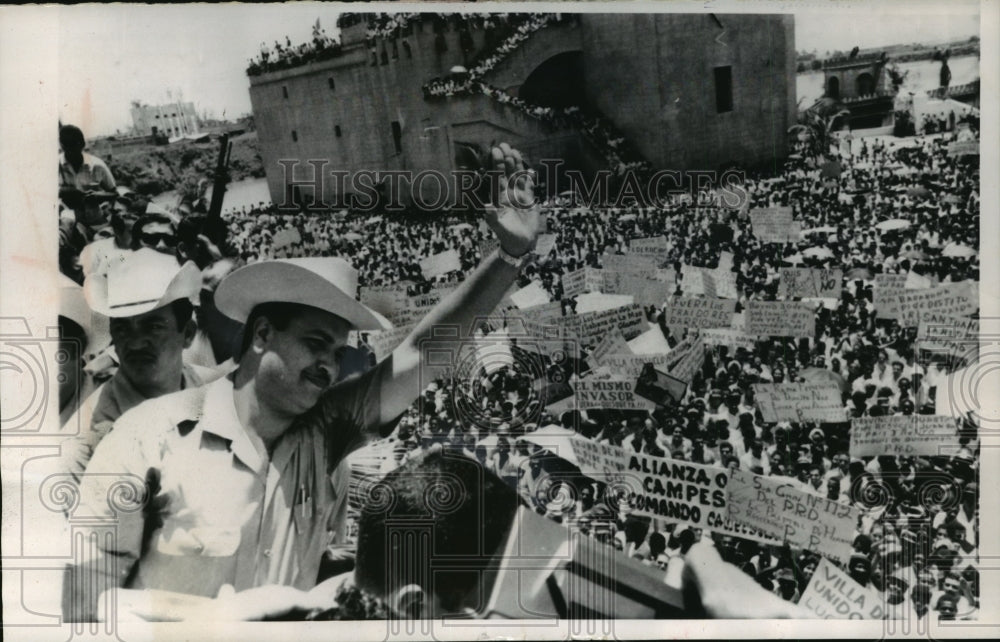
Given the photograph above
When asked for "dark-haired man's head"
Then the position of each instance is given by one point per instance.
(444, 506)
(150, 345)
(72, 142)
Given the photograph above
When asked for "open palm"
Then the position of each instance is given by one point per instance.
(516, 218)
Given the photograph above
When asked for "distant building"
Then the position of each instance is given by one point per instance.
(172, 119)
(685, 91)
(862, 85)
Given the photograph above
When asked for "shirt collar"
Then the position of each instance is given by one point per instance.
(219, 418)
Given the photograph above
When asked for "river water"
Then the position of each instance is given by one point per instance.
(921, 76)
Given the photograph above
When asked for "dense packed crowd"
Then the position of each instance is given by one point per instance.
(895, 207)
(921, 554)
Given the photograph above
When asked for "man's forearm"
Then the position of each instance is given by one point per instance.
(475, 298)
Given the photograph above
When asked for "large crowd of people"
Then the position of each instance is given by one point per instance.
(896, 206)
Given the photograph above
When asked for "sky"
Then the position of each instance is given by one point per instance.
(112, 54)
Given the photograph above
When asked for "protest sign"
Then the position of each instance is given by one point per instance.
(442, 263)
(799, 402)
(545, 244)
(776, 507)
(643, 289)
(674, 490)
(907, 436)
(612, 344)
(530, 295)
(385, 299)
(916, 281)
(728, 337)
(599, 302)
(884, 292)
(617, 393)
(383, 342)
(774, 225)
(630, 319)
(655, 247)
(658, 386)
(545, 313)
(810, 282)
(780, 319)
(287, 236)
(697, 281)
(691, 312)
(410, 314)
(432, 298)
(952, 299)
(964, 148)
(629, 263)
(586, 279)
(651, 341)
(956, 336)
(832, 594)
(725, 283)
(689, 362)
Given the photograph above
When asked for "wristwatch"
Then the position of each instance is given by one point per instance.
(515, 261)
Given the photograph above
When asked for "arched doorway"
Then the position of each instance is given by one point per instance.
(865, 84)
(556, 82)
(833, 87)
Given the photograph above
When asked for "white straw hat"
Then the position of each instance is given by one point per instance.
(325, 283)
(144, 280)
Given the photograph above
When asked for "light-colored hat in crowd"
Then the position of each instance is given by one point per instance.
(144, 280)
(326, 283)
(73, 306)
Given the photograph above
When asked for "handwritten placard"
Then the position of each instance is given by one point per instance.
(630, 319)
(956, 336)
(287, 236)
(799, 402)
(810, 282)
(964, 148)
(692, 312)
(439, 264)
(586, 279)
(385, 299)
(780, 319)
(884, 292)
(728, 337)
(907, 436)
(953, 299)
(777, 508)
(832, 594)
(530, 295)
(629, 263)
(654, 247)
(383, 342)
(774, 225)
(644, 290)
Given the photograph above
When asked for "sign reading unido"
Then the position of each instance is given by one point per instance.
(832, 594)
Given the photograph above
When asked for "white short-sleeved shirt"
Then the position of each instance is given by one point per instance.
(216, 511)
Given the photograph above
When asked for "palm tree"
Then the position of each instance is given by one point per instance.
(816, 124)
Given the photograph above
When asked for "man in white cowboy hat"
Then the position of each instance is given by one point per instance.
(149, 301)
(238, 496)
